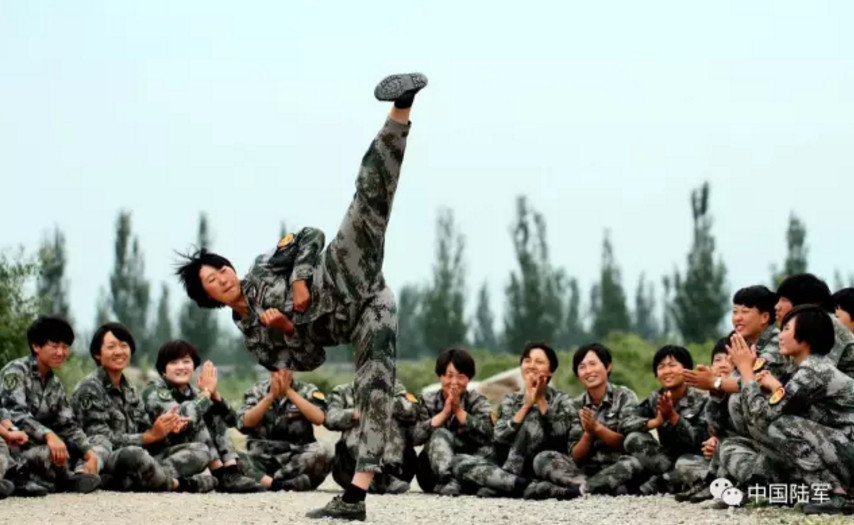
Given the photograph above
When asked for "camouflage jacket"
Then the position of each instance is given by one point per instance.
(37, 407)
(616, 409)
(477, 431)
(842, 353)
(283, 421)
(554, 423)
(817, 391)
(267, 284)
(687, 435)
(106, 411)
(159, 397)
(342, 406)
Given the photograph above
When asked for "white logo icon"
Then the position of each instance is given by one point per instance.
(723, 490)
(719, 486)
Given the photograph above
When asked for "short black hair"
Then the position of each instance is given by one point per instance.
(49, 328)
(549, 351)
(679, 353)
(759, 297)
(805, 288)
(119, 331)
(844, 300)
(462, 360)
(720, 346)
(188, 274)
(813, 327)
(172, 350)
(599, 349)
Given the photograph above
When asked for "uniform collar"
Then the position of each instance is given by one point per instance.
(187, 393)
(34, 370)
(608, 399)
(108, 383)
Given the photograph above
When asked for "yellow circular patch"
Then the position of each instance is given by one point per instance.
(10, 382)
(317, 394)
(286, 240)
(777, 396)
(164, 394)
(411, 397)
(759, 364)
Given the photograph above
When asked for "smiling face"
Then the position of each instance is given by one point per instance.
(453, 378)
(749, 321)
(789, 346)
(722, 365)
(51, 355)
(221, 284)
(592, 372)
(536, 365)
(115, 354)
(669, 373)
(179, 371)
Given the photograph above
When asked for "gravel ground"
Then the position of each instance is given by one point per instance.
(417, 508)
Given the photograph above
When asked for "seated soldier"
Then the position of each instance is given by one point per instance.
(595, 438)
(452, 420)
(399, 459)
(843, 302)
(676, 413)
(278, 417)
(808, 420)
(14, 438)
(530, 424)
(208, 414)
(36, 403)
(111, 413)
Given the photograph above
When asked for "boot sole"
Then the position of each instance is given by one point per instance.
(393, 87)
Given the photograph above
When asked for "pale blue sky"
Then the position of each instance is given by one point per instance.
(605, 114)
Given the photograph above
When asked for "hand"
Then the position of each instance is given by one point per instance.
(302, 297)
(17, 438)
(709, 447)
(58, 450)
(741, 354)
(286, 378)
(208, 378)
(702, 378)
(91, 465)
(541, 387)
(273, 318)
(665, 408)
(277, 391)
(589, 422)
(180, 425)
(355, 415)
(164, 424)
(655, 422)
(767, 381)
(531, 386)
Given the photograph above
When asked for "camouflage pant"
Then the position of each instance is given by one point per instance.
(33, 463)
(184, 460)
(134, 469)
(5, 458)
(353, 262)
(344, 467)
(650, 453)
(435, 460)
(301, 467)
(689, 471)
(219, 442)
(744, 461)
(474, 472)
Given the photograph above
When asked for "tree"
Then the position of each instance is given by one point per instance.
(607, 298)
(442, 317)
(18, 309)
(484, 322)
(644, 323)
(409, 342)
(129, 297)
(796, 251)
(51, 285)
(839, 282)
(198, 325)
(572, 333)
(163, 330)
(534, 296)
(700, 298)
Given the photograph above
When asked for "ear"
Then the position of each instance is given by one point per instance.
(766, 318)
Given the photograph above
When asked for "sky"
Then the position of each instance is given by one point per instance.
(604, 114)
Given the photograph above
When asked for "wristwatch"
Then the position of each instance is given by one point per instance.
(718, 383)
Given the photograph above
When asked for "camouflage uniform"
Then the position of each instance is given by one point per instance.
(442, 443)
(205, 438)
(606, 468)
(677, 452)
(115, 420)
(40, 408)
(350, 301)
(6, 460)
(520, 449)
(282, 445)
(399, 459)
(842, 353)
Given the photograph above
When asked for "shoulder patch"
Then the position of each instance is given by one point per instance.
(317, 394)
(777, 396)
(411, 397)
(759, 364)
(286, 240)
(86, 402)
(10, 382)
(164, 394)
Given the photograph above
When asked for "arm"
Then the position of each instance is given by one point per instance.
(314, 410)
(804, 386)
(689, 433)
(580, 442)
(405, 407)
(642, 416)
(158, 400)
(339, 413)
(256, 402)
(310, 242)
(478, 425)
(716, 415)
(507, 426)
(64, 423)
(14, 400)
(92, 411)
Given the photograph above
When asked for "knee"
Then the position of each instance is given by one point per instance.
(441, 434)
(543, 460)
(636, 442)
